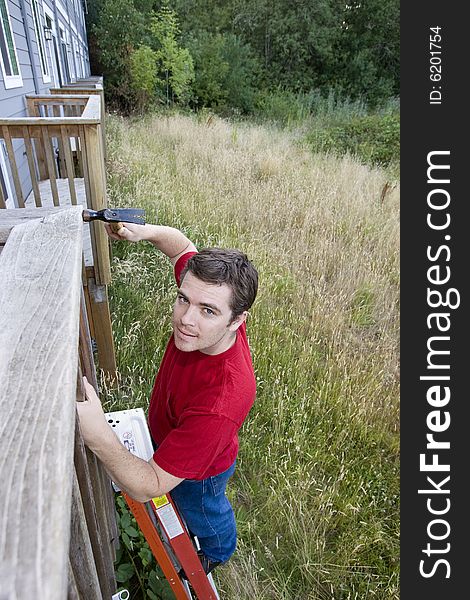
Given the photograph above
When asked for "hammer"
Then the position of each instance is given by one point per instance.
(115, 216)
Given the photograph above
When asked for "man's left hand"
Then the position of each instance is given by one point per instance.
(93, 425)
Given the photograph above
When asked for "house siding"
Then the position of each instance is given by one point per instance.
(70, 15)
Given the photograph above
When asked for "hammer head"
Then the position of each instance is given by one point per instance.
(116, 215)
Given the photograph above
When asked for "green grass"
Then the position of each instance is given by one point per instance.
(316, 488)
(339, 126)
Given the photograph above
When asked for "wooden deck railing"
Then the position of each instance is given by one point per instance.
(69, 126)
(57, 523)
(81, 87)
(60, 145)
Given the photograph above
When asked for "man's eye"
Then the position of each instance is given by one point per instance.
(182, 299)
(208, 311)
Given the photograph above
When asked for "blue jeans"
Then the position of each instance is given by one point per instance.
(208, 514)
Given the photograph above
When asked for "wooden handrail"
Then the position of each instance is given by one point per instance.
(64, 98)
(57, 525)
(92, 108)
(89, 116)
(40, 271)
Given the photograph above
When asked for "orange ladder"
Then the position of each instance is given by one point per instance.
(167, 514)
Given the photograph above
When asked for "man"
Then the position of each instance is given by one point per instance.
(203, 391)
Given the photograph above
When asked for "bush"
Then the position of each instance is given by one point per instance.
(143, 71)
(174, 63)
(225, 72)
(374, 139)
(293, 108)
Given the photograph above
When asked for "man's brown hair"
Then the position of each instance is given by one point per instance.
(217, 266)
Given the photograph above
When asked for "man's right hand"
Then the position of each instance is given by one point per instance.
(172, 242)
(128, 231)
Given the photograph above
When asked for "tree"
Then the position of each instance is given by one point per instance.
(143, 70)
(295, 40)
(174, 63)
(368, 51)
(226, 50)
(115, 30)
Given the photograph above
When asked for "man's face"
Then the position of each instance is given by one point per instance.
(202, 318)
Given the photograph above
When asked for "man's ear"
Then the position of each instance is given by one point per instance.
(238, 320)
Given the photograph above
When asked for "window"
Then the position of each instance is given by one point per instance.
(9, 62)
(40, 40)
(77, 59)
(65, 58)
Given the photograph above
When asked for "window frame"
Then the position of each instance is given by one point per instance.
(41, 43)
(64, 53)
(56, 68)
(10, 81)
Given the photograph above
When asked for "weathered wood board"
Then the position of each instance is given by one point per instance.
(40, 274)
(63, 190)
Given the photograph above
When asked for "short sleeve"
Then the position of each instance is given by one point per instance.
(189, 450)
(180, 264)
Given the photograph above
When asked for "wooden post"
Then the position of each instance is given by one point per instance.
(102, 327)
(81, 553)
(2, 199)
(33, 111)
(95, 166)
(32, 168)
(51, 168)
(61, 158)
(68, 162)
(101, 544)
(13, 167)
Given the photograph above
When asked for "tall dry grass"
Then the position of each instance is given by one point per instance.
(316, 491)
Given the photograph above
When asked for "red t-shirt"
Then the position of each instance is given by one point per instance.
(198, 404)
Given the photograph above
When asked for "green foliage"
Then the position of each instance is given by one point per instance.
(288, 108)
(336, 125)
(115, 31)
(143, 73)
(362, 309)
(241, 48)
(281, 106)
(294, 40)
(211, 69)
(225, 72)
(373, 138)
(135, 567)
(175, 64)
(368, 51)
(243, 74)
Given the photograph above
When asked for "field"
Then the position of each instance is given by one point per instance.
(316, 491)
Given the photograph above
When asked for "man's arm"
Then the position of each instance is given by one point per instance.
(140, 479)
(168, 240)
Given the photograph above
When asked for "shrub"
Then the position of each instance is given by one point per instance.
(143, 76)
(174, 63)
(282, 106)
(225, 72)
(373, 138)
